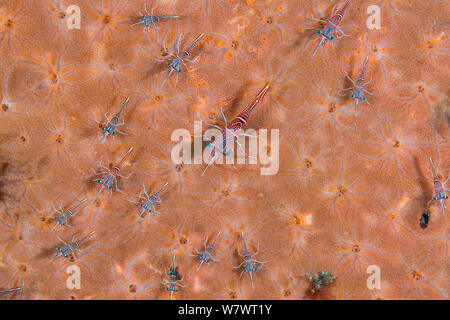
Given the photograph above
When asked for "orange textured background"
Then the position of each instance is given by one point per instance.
(346, 196)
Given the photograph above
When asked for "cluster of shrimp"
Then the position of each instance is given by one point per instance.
(249, 264)
(220, 147)
(329, 32)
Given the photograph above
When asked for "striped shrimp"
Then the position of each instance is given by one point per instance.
(150, 19)
(62, 216)
(174, 278)
(3, 292)
(148, 202)
(439, 189)
(110, 175)
(205, 256)
(358, 87)
(326, 33)
(250, 265)
(178, 58)
(69, 249)
(110, 128)
(233, 129)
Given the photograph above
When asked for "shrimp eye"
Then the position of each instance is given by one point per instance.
(331, 38)
(169, 63)
(98, 181)
(255, 269)
(446, 197)
(66, 256)
(363, 98)
(207, 261)
(319, 31)
(352, 96)
(142, 204)
(245, 270)
(103, 128)
(179, 71)
(114, 133)
(434, 198)
(109, 187)
(59, 248)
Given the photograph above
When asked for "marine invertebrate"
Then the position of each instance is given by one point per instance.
(424, 274)
(345, 191)
(178, 230)
(206, 4)
(206, 256)
(147, 203)
(439, 188)
(222, 192)
(325, 110)
(347, 200)
(4, 292)
(354, 248)
(151, 19)
(391, 146)
(62, 215)
(15, 140)
(233, 130)
(282, 78)
(308, 160)
(179, 59)
(230, 45)
(58, 146)
(110, 128)
(272, 19)
(159, 163)
(111, 70)
(103, 20)
(382, 50)
(133, 231)
(432, 45)
(56, 12)
(250, 265)
(299, 229)
(135, 280)
(223, 288)
(52, 78)
(393, 210)
(418, 89)
(160, 102)
(26, 183)
(424, 218)
(329, 31)
(358, 87)
(395, 8)
(285, 284)
(109, 177)
(174, 279)
(18, 21)
(321, 280)
(69, 248)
